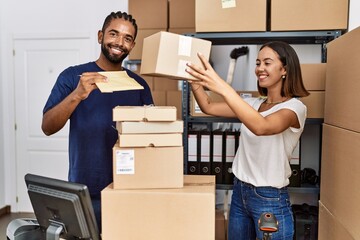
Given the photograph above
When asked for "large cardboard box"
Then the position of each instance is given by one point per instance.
(166, 54)
(161, 214)
(181, 13)
(315, 104)
(343, 82)
(136, 52)
(165, 84)
(144, 113)
(230, 16)
(330, 227)
(159, 98)
(150, 127)
(148, 167)
(314, 76)
(340, 167)
(150, 140)
(149, 14)
(174, 98)
(299, 15)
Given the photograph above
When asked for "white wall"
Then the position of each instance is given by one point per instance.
(45, 19)
(354, 16)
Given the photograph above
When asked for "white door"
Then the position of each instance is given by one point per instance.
(37, 63)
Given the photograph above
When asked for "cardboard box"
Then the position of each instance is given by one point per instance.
(315, 104)
(220, 225)
(196, 111)
(149, 14)
(149, 167)
(150, 127)
(162, 214)
(165, 84)
(340, 167)
(150, 140)
(166, 54)
(177, 10)
(182, 31)
(144, 113)
(299, 15)
(314, 76)
(136, 52)
(230, 16)
(343, 82)
(174, 98)
(330, 227)
(159, 98)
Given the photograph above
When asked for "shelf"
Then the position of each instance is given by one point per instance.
(236, 38)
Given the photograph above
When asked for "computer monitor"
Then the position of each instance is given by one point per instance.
(63, 209)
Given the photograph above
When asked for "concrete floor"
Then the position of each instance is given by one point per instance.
(5, 219)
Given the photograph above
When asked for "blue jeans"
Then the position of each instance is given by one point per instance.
(249, 202)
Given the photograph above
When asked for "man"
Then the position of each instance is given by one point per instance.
(75, 96)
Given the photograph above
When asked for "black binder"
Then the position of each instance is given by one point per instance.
(217, 155)
(193, 162)
(231, 145)
(295, 178)
(205, 167)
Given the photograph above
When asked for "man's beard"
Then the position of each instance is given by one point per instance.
(113, 58)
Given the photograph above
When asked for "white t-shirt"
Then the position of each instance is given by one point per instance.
(264, 160)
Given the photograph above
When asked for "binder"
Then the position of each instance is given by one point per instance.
(193, 164)
(217, 156)
(231, 145)
(295, 178)
(205, 167)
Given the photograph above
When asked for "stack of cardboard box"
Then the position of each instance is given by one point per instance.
(150, 197)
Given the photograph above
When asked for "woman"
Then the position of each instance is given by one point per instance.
(271, 129)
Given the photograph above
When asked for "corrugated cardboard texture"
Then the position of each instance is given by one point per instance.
(149, 14)
(150, 127)
(315, 104)
(343, 81)
(144, 113)
(162, 214)
(340, 167)
(150, 140)
(298, 15)
(314, 76)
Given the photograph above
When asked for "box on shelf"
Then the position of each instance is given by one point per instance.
(150, 140)
(230, 16)
(174, 98)
(309, 15)
(315, 104)
(150, 127)
(177, 9)
(166, 54)
(159, 98)
(148, 167)
(144, 113)
(196, 111)
(141, 9)
(314, 76)
(136, 52)
(162, 214)
(343, 82)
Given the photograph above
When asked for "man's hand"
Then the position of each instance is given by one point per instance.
(87, 84)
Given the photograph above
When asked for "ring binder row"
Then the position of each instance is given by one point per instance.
(212, 153)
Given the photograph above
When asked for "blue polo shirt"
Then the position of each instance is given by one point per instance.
(92, 134)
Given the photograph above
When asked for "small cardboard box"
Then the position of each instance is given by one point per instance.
(150, 140)
(315, 104)
(300, 15)
(162, 214)
(149, 14)
(166, 54)
(230, 16)
(150, 127)
(144, 113)
(136, 52)
(148, 167)
(314, 76)
(177, 8)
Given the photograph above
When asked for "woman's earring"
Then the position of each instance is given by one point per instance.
(283, 76)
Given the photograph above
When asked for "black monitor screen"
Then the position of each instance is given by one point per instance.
(63, 209)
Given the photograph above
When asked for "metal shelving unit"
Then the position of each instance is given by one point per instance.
(241, 38)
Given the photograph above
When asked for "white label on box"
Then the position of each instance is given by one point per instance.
(125, 162)
(184, 46)
(228, 3)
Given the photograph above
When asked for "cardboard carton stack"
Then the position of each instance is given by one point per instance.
(340, 166)
(150, 197)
